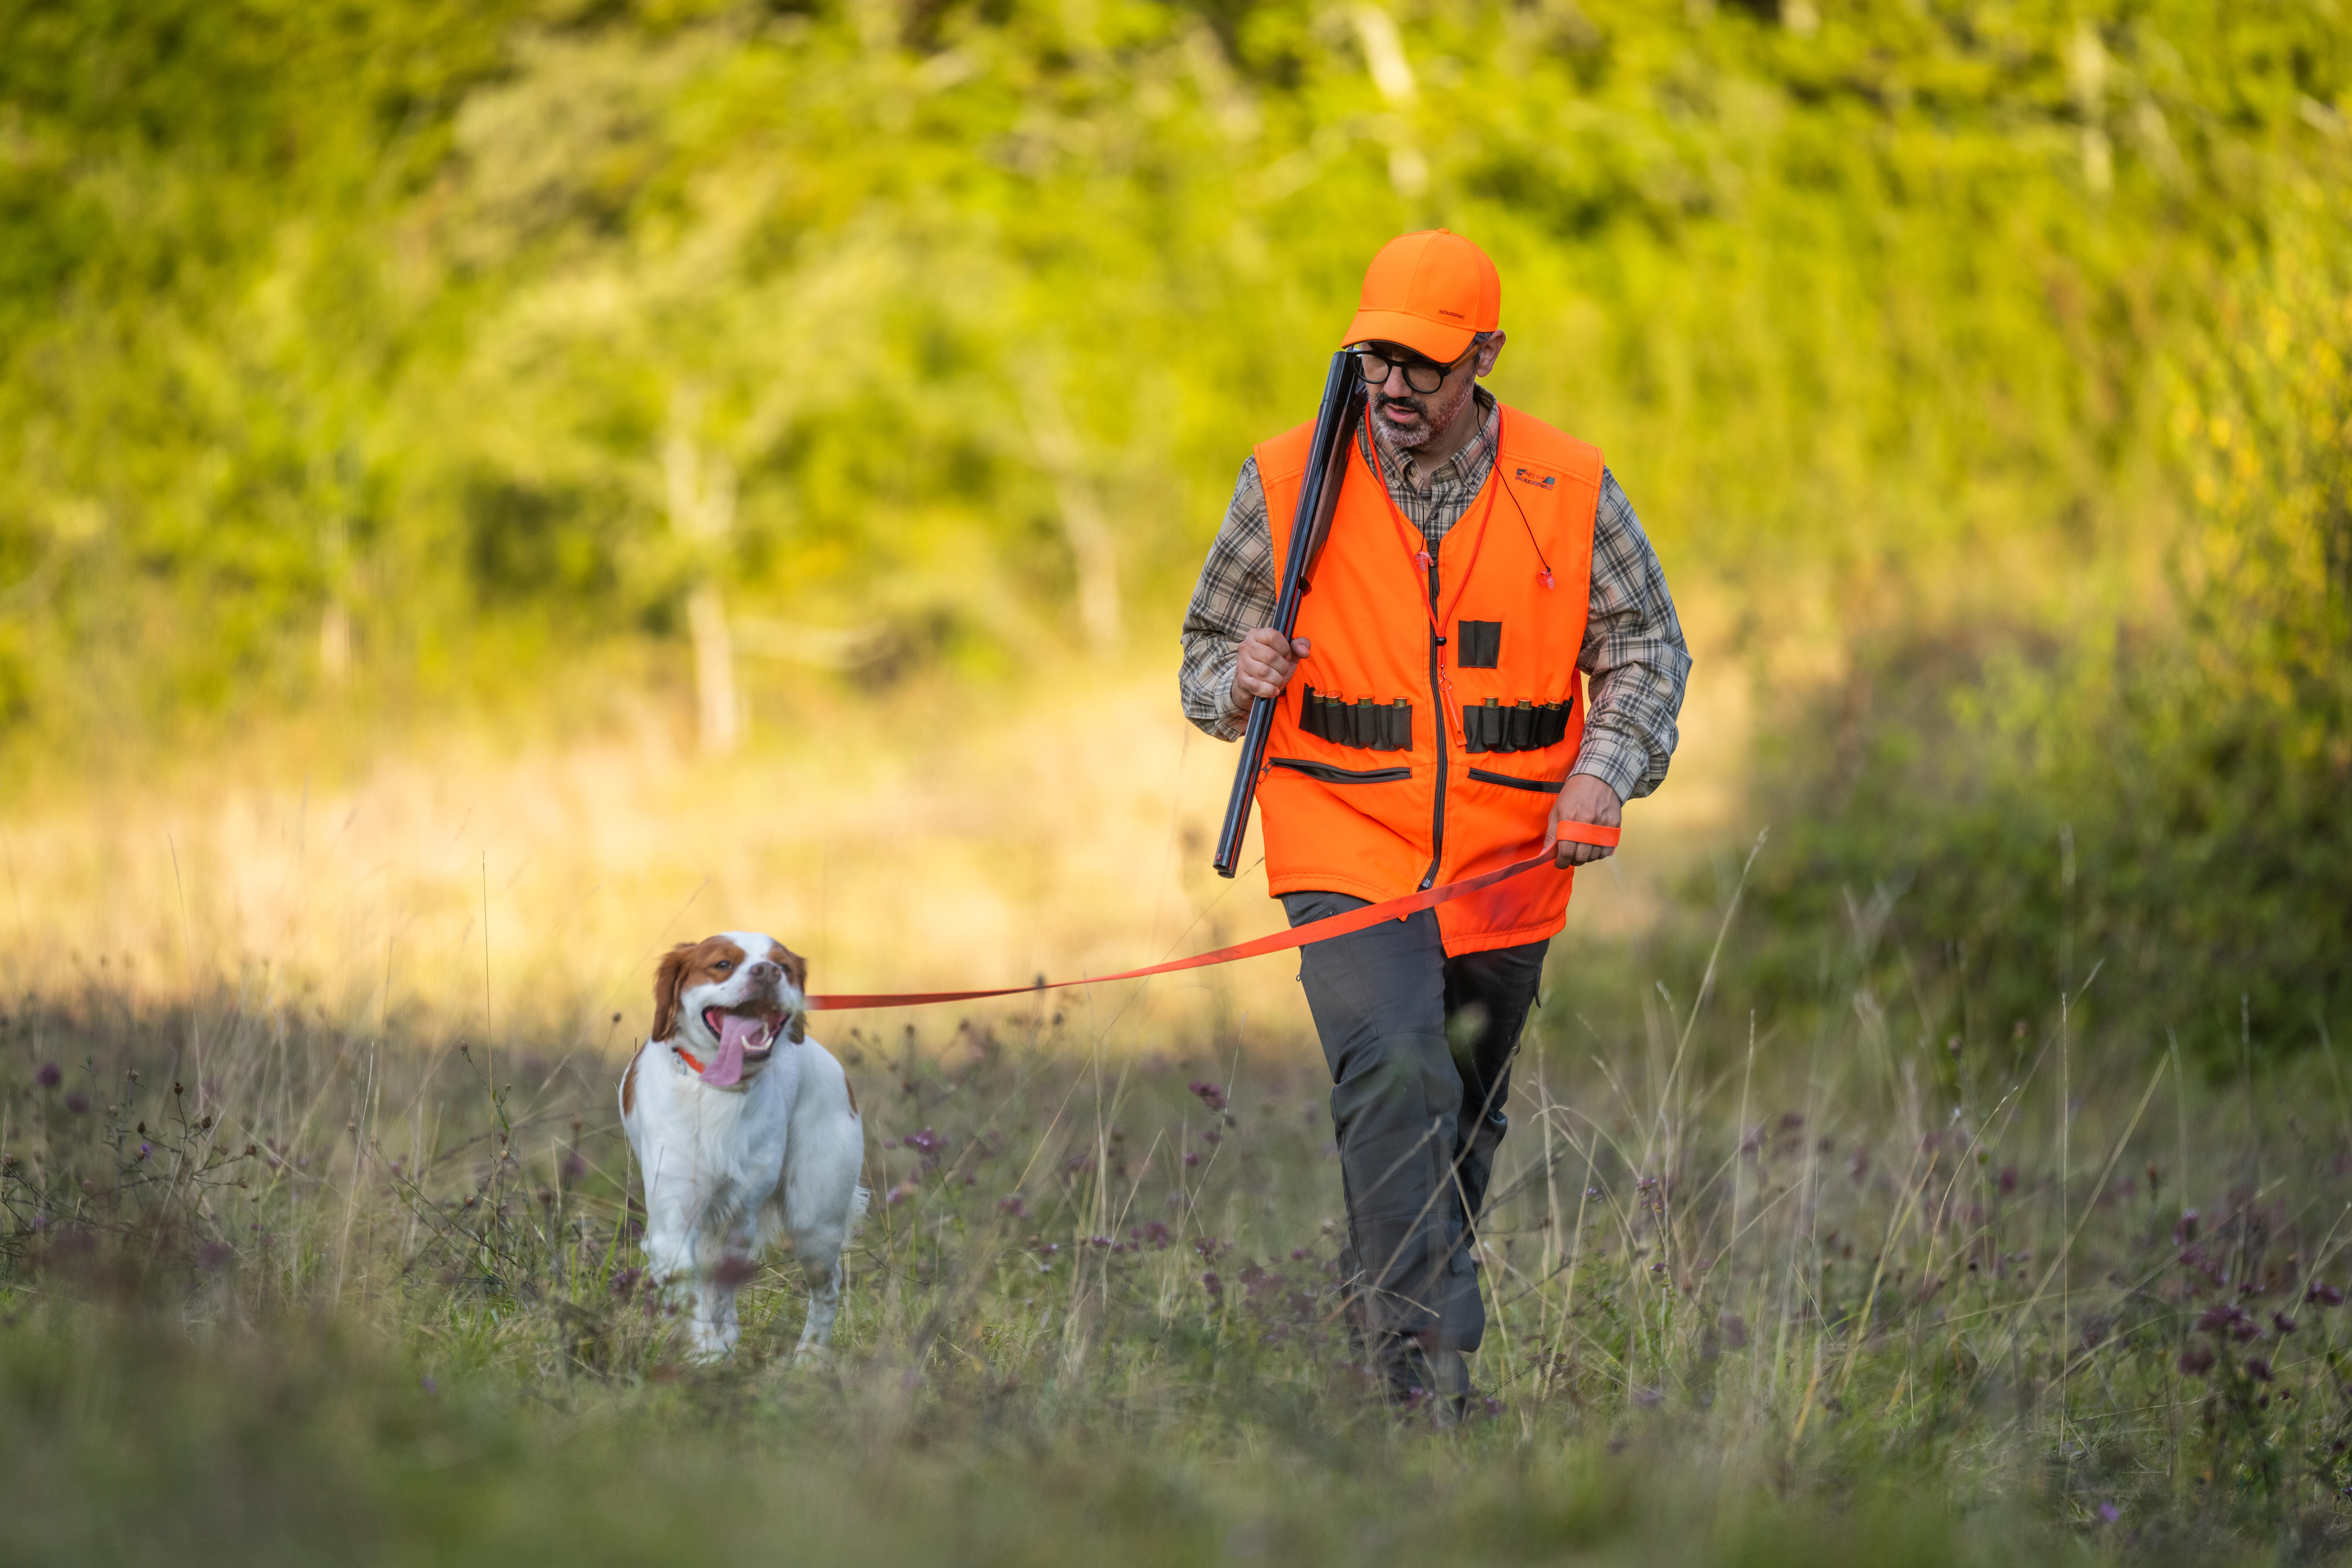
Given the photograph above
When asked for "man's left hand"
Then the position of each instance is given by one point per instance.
(1585, 799)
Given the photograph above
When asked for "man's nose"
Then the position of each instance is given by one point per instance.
(1396, 385)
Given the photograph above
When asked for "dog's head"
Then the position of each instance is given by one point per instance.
(728, 998)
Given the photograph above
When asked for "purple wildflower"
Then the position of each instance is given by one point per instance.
(1210, 1095)
(51, 1074)
(2218, 1319)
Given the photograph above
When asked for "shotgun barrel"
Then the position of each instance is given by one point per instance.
(1318, 493)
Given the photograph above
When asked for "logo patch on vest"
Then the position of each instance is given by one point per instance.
(1526, 478)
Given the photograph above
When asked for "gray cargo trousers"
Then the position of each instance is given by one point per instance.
(1417, 1117)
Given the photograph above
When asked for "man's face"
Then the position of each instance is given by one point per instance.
(1410, 421)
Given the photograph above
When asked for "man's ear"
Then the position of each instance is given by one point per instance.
(1490, 351)
(670, 979)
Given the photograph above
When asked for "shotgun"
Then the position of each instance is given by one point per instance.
(1318, 493)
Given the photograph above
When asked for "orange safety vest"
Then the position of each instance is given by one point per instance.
(1427, 735)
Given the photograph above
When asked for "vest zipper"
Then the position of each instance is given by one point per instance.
(1437, 700)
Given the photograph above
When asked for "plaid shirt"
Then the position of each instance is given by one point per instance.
(1632, 643)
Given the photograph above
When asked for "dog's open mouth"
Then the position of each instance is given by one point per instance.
(742, 1037)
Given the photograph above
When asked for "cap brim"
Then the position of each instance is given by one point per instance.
(1441, 342)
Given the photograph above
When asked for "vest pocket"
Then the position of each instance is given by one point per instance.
(1325, 772)
(1489, 726)
(1366, 724)
(1541, 786)
(1478, 645)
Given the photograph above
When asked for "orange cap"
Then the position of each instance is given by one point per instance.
(1431, 291)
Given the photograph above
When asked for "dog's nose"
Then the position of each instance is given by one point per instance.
(767, 972)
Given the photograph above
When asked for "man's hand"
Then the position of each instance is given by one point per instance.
(1585, 799)
(1263, 666)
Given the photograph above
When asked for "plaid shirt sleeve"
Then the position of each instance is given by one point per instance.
(1634, 650)
(1235, 596)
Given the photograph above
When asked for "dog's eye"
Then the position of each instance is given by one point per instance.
(723, 963)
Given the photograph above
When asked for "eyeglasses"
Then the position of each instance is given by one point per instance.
(1374, 361)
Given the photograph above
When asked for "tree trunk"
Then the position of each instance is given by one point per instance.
(702, 509)
(714, 672)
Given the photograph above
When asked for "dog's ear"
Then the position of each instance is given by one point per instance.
(796, 971)
(670, 979)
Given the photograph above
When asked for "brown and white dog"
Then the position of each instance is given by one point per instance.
(744, 1129)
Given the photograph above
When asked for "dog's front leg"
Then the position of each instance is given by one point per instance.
(824, 1276)
(717, 1329)
(679, 1258)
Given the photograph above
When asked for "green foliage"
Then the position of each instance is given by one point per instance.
(1982, 349)
(2164, 801)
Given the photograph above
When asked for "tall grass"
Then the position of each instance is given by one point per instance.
(272, 1289)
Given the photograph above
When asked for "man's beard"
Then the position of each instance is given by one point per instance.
(1435, 419)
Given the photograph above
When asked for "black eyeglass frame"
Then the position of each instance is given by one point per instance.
(1365, 355)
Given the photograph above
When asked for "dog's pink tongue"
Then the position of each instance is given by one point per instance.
(734, 1033)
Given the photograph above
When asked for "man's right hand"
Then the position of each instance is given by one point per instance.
(1263, 666)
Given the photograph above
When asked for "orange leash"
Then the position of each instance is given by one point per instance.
(1281, 941)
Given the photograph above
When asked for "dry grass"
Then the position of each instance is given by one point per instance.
(910, 845)
(1917, 1305)
(319, 1236)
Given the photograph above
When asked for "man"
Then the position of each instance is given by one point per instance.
(1431, 724)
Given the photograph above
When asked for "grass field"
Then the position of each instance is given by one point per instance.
(283, 1280)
